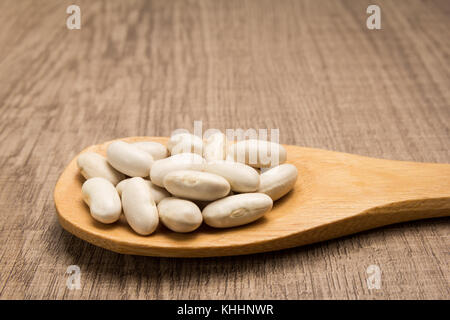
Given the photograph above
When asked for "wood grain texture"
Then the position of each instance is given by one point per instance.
(337, 194)
(310, 68)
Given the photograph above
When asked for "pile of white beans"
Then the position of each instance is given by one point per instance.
(151, 182)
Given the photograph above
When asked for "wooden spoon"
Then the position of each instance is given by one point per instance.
(336, 194)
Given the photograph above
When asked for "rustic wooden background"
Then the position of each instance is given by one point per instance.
(310, 68)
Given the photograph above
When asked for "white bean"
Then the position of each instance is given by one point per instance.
(278, 181)
(258, 153)
(155, 149)
(129, 159)
(241, 177)
(92, 164)
(158, 193)
(102, 199)
(179, 215)
(182, 161)
(185, 143)
(196, 185)
(236, 210)
(139, 207)
(215, 147)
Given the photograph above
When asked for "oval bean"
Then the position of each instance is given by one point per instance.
(129, 159)
(236, 210)
(196, 185)
(179, 215)
(139, 207)
(102, 199)
(278, 181)
(92, 165)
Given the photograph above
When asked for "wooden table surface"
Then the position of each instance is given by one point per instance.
(310, 68)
